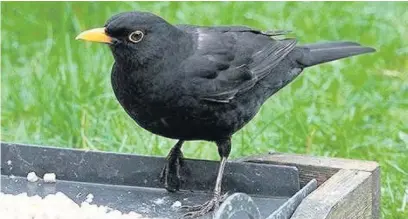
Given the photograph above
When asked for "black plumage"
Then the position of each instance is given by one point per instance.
(203, 83)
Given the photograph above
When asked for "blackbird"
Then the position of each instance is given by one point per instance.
(189, 82)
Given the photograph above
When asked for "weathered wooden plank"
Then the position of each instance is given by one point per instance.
(322, 168)
(347, 194)
(307, 160)
(376, 192)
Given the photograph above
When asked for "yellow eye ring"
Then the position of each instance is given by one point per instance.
(136, 36)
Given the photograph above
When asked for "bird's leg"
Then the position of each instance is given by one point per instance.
(170, 174)
(224, 148)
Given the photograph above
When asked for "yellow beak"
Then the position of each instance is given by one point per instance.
(95, 35)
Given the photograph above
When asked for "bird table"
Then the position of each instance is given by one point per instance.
(273, 186)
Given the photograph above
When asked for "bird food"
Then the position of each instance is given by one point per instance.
(50, 178)
(56, 206)
(32, 177)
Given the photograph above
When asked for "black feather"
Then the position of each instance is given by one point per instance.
(325, 52)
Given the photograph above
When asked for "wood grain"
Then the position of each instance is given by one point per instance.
(345, 195)
(324, 168)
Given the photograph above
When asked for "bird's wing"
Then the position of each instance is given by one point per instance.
(227, 61)
(192, 28)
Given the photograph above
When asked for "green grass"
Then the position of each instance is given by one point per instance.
(56, 91)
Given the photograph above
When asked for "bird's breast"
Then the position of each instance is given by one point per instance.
(163, 108)
(148, 101)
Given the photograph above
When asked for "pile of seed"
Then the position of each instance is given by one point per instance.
(56, 206)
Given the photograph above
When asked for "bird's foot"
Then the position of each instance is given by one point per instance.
(200, 210)
(170, 174)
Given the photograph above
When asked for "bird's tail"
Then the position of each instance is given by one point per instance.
(329, 51)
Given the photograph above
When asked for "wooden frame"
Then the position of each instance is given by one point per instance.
(346, 188)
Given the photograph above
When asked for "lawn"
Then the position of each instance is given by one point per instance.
(56, 91)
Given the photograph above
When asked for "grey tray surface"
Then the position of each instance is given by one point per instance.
(151, 202)
(131, 182)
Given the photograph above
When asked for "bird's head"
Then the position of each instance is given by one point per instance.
(134, 36)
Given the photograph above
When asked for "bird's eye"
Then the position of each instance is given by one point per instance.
(136, 36)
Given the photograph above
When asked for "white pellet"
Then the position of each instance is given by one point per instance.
(9, 162)
(176, 204)
(158, 201)
(32, 177)
(50, 178)
(89, 198)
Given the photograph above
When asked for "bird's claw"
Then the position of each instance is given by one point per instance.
(200, 210)
(170, 179)
(170, 175)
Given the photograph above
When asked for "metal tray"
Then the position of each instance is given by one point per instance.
(131, 182)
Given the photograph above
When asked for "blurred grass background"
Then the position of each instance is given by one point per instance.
(56, 91)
